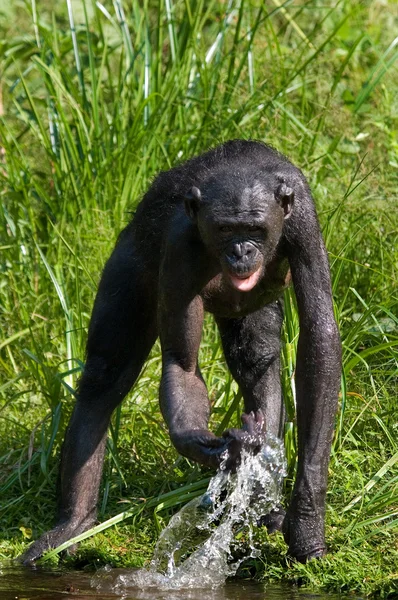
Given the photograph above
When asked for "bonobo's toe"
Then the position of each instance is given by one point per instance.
(273, 521)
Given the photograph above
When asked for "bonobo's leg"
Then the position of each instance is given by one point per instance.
(252, 351)
(121, 334)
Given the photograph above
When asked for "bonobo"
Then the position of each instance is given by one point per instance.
(223, 232)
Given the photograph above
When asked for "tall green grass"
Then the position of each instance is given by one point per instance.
(97, 97)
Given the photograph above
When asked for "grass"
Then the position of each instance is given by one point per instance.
(96, 98)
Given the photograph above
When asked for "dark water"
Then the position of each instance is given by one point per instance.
(24, 583)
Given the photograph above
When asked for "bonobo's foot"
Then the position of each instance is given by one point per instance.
(305, 537)
(53, 538)
(273, 521)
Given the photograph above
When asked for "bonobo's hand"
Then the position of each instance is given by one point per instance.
(200, 445)
(207, 449)
(250, 437)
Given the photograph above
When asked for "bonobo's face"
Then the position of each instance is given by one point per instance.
(241, 224)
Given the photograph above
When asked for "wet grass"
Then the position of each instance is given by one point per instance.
(96, 98)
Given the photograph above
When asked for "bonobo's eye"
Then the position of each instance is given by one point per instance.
(225, 229)
(257, 230)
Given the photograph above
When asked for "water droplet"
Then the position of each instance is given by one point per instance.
(195, 550)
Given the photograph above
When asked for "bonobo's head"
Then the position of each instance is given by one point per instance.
(240, 221)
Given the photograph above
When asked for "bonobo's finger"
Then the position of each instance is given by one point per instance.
(201, 446)
(236, 440)
(250, 437)
(273, 521)
(253, 422)
(260, 420)
(249, 422)
(236, 434)
(251, 434)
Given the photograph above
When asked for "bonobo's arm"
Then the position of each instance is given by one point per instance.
(317, 379)
(184, 402)
(183, 394)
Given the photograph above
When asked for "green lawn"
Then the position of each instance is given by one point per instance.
(92, 107)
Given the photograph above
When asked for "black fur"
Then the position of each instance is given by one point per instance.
(221, 233)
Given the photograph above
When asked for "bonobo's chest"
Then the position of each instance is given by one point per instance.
(222, 299)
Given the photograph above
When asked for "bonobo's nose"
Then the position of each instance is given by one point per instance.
(241, 249)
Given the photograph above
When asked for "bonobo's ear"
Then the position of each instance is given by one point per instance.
(285, 197)
(192, 201)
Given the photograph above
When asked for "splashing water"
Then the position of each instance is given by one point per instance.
(199, 546)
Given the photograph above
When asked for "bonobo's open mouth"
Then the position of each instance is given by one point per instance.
(246, 281)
